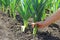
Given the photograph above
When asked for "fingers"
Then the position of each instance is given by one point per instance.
(33, 24)
(39, 24)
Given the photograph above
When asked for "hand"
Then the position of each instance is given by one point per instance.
(39, 24)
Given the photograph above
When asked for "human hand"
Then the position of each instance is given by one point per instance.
(39, 24)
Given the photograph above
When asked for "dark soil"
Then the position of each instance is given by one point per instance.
(11, 30)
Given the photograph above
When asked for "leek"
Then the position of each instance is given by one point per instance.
(4, 4)
(23, 10)
(37, 8)
(12, 8)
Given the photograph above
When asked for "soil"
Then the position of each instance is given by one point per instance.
(11, 30)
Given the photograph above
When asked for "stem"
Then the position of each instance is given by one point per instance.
(10, 13)
(35, 30)
(3, 7)
(14, 15)
(25, 25)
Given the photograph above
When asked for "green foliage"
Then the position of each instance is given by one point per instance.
(37, 8)
(4, 4)
(12, 8)
(53, 5)
(23, 10)
(9, 4)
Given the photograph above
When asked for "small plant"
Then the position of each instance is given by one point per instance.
(4, 4)
(9, 5)
(23, 10)
(13, 8)
(37, 9)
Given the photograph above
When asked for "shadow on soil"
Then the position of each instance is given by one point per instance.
(46, 36)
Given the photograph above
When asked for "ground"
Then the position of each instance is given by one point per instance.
(11, 30)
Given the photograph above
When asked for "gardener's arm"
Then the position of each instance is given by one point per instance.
(55, 17)
(49, 20)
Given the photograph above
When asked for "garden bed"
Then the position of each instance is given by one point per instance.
(11, 30)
